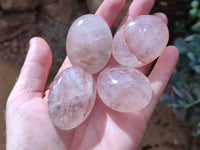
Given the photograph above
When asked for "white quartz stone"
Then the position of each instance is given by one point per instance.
(124, 89)
(140, 41)
(89, 43)
(71, 98)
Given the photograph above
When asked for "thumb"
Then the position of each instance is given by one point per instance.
(34, 73)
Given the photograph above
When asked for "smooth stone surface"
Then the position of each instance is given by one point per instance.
(124, 89)
(140, 41)
(71, 98)
(89, 43)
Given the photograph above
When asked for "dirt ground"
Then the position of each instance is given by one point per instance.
(164, 132)
(8, 76)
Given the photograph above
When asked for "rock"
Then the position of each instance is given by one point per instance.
(142, 40)
(89, 43)
(124, 89)
(13, 24)
(71, 98)
(60, 11)
(18, 5)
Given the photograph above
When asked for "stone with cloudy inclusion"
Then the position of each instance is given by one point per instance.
(71, 98)
(140, 41)
(124, 89)
(89, 43)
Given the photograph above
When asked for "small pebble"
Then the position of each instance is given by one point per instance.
(71, 98)
(124, 89)
(140, 41)
(89, 43)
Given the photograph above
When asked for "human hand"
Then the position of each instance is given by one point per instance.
(27, 121)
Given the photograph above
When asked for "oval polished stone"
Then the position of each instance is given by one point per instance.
(89, 43)
(124, 89)
(140, 41)
(71, 98)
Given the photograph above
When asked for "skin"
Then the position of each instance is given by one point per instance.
(28, 125)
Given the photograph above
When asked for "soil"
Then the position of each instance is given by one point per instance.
(8, 76)
(164, 132)
(167, 132)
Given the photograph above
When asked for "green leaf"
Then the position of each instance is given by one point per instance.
(185, 105)
(196, 132)
(179, 27)
(196, 39)
(191, 57)
(198, 14)
(196, 92)
(192, 47)
(196, 27)
(193, 13)
(195, 4)
(196, 119)
(198, 59)
(189, 38)
(197, 51)
(180, 44)
(196, 68)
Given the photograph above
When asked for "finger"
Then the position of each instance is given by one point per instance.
(160, 75)
(162, 16)
(138, 7)
(34, 73)
(109, 10)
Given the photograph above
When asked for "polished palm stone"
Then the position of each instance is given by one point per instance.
(140, 41)
(89, 43)
(71, 98)
(124, 89)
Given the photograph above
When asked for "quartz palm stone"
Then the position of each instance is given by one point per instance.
(140, 41)
(71, 98)
(124, 89)
(89, 43)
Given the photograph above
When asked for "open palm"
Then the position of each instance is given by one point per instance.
(27, 121)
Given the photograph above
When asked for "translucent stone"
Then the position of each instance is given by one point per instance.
(71, 98)
(124, 89)
(140, 41)
(89, 43)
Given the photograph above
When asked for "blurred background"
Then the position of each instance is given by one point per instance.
(175, 124)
